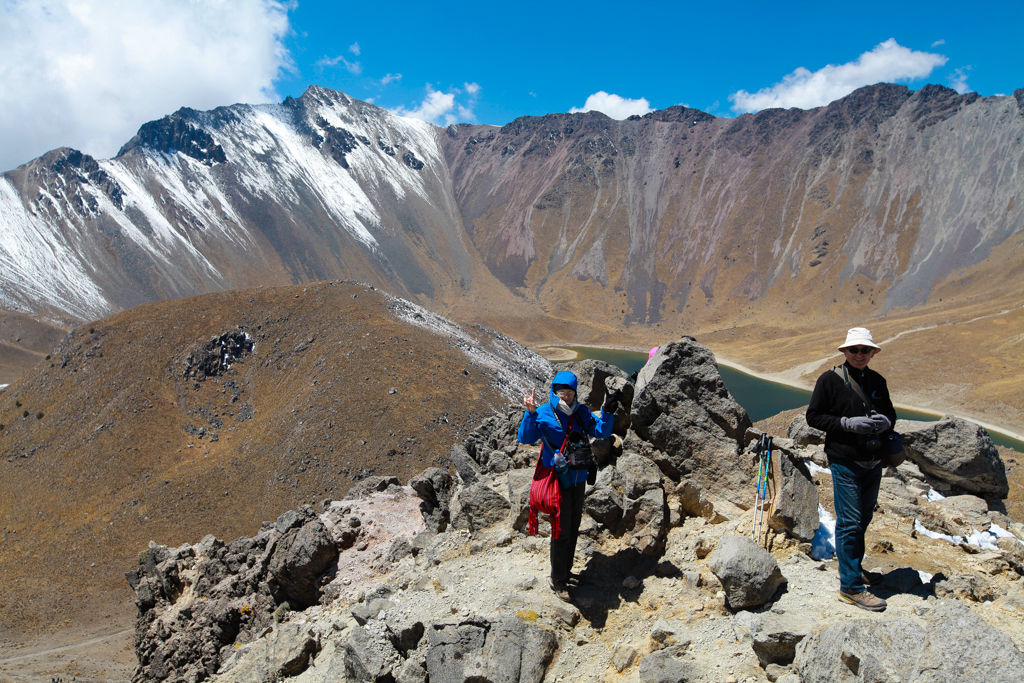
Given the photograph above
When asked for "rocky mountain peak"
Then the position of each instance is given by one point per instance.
(177, 133)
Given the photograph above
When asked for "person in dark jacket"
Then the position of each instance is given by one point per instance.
(856, 429)
(550, 423)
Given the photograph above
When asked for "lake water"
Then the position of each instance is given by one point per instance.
(759, 397)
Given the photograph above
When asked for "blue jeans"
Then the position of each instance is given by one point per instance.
(854, 492)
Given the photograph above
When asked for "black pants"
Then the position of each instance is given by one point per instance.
(563, 549)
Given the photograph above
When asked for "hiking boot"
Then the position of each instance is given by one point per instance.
(561, 591)
(864, 600)
(871, 578)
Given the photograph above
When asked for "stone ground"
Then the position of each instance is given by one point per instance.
(500, 571)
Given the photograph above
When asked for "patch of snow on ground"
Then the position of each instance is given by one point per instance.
(982, 539)
(823, 547)
(1000, 532)
(816, 469)
(926, 578)
(934, 496)
(920, 528)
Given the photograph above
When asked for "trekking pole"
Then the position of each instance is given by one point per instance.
(763, 481)
(754, 533)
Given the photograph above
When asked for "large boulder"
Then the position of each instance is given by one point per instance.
(794, 507)
(773, 637)
(802, 433)
(860, 650)
(749, 575)
(957, 452)
(435, 487)
(479, 506)
(670, 665)
(686, 413)
(465, 466)
(301, 556)
(604, 502)
(496, 433)
(519, 483)
(963, 647)
(628, 500)
(956, 645)
(504, 651)
(286, 651)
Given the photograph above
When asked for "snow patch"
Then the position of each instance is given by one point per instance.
(815, 469)
(823, 547)
(934, 496)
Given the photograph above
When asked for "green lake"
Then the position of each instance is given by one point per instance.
(759, 397)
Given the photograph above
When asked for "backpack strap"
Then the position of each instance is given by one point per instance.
(564, 441)
(852, 384)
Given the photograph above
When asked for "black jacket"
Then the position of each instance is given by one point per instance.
(832, 400)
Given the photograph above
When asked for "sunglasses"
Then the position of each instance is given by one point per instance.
(854, 350)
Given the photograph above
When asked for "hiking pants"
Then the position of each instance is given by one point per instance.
(570, 514)
(854, 493)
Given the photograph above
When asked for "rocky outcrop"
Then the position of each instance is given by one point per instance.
(794, 504)
(802, 433)
(686, 413)
(435, 486)
(773, 637)
(956, 645)
(196, 601)
(957, 452)
(506, 651)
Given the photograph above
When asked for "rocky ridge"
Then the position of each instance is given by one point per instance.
(437, 581)
(889, 207)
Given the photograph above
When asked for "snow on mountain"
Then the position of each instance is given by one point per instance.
(200, 201)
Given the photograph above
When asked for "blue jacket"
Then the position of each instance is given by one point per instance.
(552, 424)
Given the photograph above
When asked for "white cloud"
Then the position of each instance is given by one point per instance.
(88, 73)
(614, 106)
(389, 78)
(938, 42)
(354, 68)
(442, 108)
(355, 49)
(958, 80)
(887, 62)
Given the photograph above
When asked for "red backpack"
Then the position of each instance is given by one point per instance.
(545, 493)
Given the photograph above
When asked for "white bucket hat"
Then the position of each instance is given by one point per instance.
(859, 336)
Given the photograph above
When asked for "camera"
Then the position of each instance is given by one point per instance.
(874, 444)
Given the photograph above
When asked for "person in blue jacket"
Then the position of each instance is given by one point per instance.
(550, 423)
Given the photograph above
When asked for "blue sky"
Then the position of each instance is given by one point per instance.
(88, 73)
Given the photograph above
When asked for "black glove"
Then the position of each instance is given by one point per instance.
(611, 401)
(859, 425)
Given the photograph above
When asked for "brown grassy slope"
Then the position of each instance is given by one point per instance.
(116, 461)
(24, 342)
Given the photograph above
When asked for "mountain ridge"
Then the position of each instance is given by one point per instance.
(887, 203)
